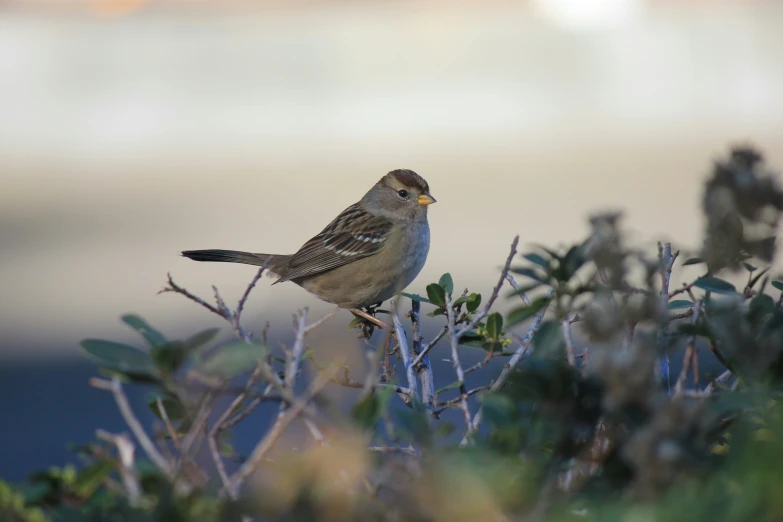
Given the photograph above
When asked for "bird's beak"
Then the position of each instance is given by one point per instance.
(425, 199)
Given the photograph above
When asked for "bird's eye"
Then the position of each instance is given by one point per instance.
(403, 193)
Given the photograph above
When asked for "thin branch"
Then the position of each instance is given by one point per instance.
(689, 350)
(174, 287)
(404, 351)
(479, 365)
(666, 259)
(454, 338)
(719, 380)
(495, 292)
(169, 427)
(127, 469)
(421, 363)
(322, 320)
(266, 444)
(292, 368)
(686, 287)
(115, 387)
(241, 304)
(565, 326)
(515, 285)
(378, 385)
(429, 346)
(524, 347)
(442, 406)
(407, 450)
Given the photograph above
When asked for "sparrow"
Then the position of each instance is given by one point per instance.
(370, 252)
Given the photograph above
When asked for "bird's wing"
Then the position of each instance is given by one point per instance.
(354, 234)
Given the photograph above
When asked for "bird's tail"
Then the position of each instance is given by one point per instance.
(235, 256)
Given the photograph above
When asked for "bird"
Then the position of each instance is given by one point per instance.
(370, 252)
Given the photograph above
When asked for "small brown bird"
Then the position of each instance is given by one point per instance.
(369, 253)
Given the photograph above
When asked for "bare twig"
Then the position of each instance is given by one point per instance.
(127, 469)
(241, 304)
(421, 363)
(347, 383)
(565, 326)
(719, 380)
(404, 350)
(430, 345)
(322, 320)
(666, 259)
(115, 387)
(479, 365)
(689, 350)
(407, 450)
(174, 287)
(169, 427)
(455, 337)
(266, 444)
(495, 292)
(442, 406)
(524, 347)
(515, 285)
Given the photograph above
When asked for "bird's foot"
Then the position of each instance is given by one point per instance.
(368, 321)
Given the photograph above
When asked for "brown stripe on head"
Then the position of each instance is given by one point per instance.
(406, 178)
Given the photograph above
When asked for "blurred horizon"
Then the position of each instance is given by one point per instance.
(130, 135)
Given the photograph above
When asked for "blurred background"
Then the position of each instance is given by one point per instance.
(132, 129)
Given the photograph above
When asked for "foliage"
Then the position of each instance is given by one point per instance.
(583, 421)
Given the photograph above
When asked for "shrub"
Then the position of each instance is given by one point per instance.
(583, 421)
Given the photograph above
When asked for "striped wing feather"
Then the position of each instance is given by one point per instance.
(353, 234)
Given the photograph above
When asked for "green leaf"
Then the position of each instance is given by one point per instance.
(495, 326)
(756, 278)
(174, 408)
(472, 339)
(693, 261)
(474, 302)
(153, 337)
(532, 274)
(368, 411)
(680, 303)
(416, 297)
(90, 478)
(524, 289)
(715, 285)
(168, 358)
(493, 346)
(447, 283)
(120, 357)
(233, 359)
(761, 306)
(460, 300)
(356, 321)
(454, 385)
(572, 262)
(551, 253)
(777, 284)
(436, 294)
(413, 424)
(538, 260)
(226, 449)
(694, 329)
(498, 408)
(437, 311)
(201, 338)
(518, 315)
